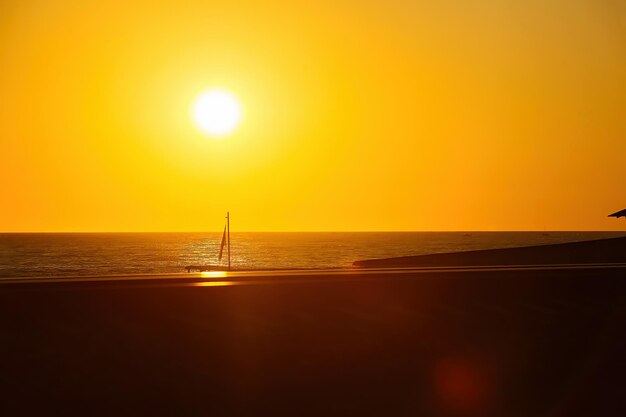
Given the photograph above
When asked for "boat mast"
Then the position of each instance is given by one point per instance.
(228, 234)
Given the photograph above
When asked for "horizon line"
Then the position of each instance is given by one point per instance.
(318, 231)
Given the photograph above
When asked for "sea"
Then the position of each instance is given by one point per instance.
(81, 254)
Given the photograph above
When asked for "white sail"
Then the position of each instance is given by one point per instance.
(222, 244)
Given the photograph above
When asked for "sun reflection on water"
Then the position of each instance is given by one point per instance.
(213, 274)
(216, 284)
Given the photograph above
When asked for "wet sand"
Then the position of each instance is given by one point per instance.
(593, 251)
(460, 342)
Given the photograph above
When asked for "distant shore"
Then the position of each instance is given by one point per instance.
(612, 250)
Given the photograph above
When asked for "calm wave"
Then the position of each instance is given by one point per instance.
(27, 255)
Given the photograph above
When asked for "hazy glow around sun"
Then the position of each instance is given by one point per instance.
(217, 112)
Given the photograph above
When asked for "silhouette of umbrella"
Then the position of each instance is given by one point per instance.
(618, 214)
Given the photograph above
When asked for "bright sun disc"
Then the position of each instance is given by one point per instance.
(216, 112)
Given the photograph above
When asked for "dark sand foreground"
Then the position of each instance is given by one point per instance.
(593, 251)
(489, 342)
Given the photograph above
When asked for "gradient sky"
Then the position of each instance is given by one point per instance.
(357, 115)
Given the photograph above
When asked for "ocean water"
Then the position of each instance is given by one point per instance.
(72, 254)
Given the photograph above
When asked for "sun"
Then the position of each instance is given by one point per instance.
(217, 112)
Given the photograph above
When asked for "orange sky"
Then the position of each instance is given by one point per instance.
(357, 115)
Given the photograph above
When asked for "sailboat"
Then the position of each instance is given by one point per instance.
(224, 244)
(226, 239)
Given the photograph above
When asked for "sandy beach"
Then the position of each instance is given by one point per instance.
(458, 342)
